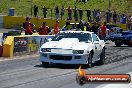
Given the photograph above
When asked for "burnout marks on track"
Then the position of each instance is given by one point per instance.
(114, 54)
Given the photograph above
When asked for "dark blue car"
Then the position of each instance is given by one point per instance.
(123, 38)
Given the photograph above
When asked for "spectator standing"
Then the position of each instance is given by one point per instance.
(45, 11)
(98, 27)
(88, 15)
(57, 12)
(87, 26)
(67, 26)
(81, 26)
(123, 19)
(114, 17)
(44, 30)
(76, 13)
(98, 15)
(80, 13)
(56, 27)
(69, 13)
(28, 26)
(94, 14)
(84, 1)
(35, 10)
(108, 16)
(94, 28)
(129, 23)
(102, 32)
(62, 12)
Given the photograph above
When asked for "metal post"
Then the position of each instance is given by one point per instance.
(51, 13)
(31, 7)
(109, 4)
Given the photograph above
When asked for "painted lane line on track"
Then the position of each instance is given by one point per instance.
(129, 85)
(17, 57)
(41, 79)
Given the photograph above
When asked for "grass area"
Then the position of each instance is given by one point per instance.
(23, 7)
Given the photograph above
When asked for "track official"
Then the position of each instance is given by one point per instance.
(43, 30)
(56, 28)
(28, 26)
(102, 32)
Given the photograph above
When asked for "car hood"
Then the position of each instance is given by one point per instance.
(67, 43)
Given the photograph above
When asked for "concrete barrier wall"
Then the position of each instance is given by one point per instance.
(14, 22)
(123, 26)
(8, 47)
(20, 45)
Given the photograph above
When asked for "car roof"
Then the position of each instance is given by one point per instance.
(76, 32)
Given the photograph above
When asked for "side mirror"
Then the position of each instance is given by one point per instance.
(88, 41)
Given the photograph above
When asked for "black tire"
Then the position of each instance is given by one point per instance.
(118, 44)
(45, 64)
(82, 80)
(90, 60)
(130, 43)
(102, 57)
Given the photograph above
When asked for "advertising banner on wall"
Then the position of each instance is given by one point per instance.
(20, 44)
(27, 45)
(35, 42)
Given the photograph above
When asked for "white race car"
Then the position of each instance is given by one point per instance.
(73, 47)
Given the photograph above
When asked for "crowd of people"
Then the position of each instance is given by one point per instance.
(82, 26)
(78, 13)
(92, 16)
(28, 28)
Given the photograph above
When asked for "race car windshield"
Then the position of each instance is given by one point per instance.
(82, 37)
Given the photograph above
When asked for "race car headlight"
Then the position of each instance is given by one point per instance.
(42, 49)
(78, 51)
(45, 49)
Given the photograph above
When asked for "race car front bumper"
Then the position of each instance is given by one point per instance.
(64, 58)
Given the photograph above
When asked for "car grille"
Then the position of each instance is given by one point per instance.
(59, 57)
(61, 51)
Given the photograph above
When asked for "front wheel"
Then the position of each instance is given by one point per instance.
(118, 44)
(45, 64)
(102, 57)
(130, 43)
(90, 60)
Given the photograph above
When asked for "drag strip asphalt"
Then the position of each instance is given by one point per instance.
(29, 73)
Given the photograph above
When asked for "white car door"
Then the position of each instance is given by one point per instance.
(97, 44)
(100, 45)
